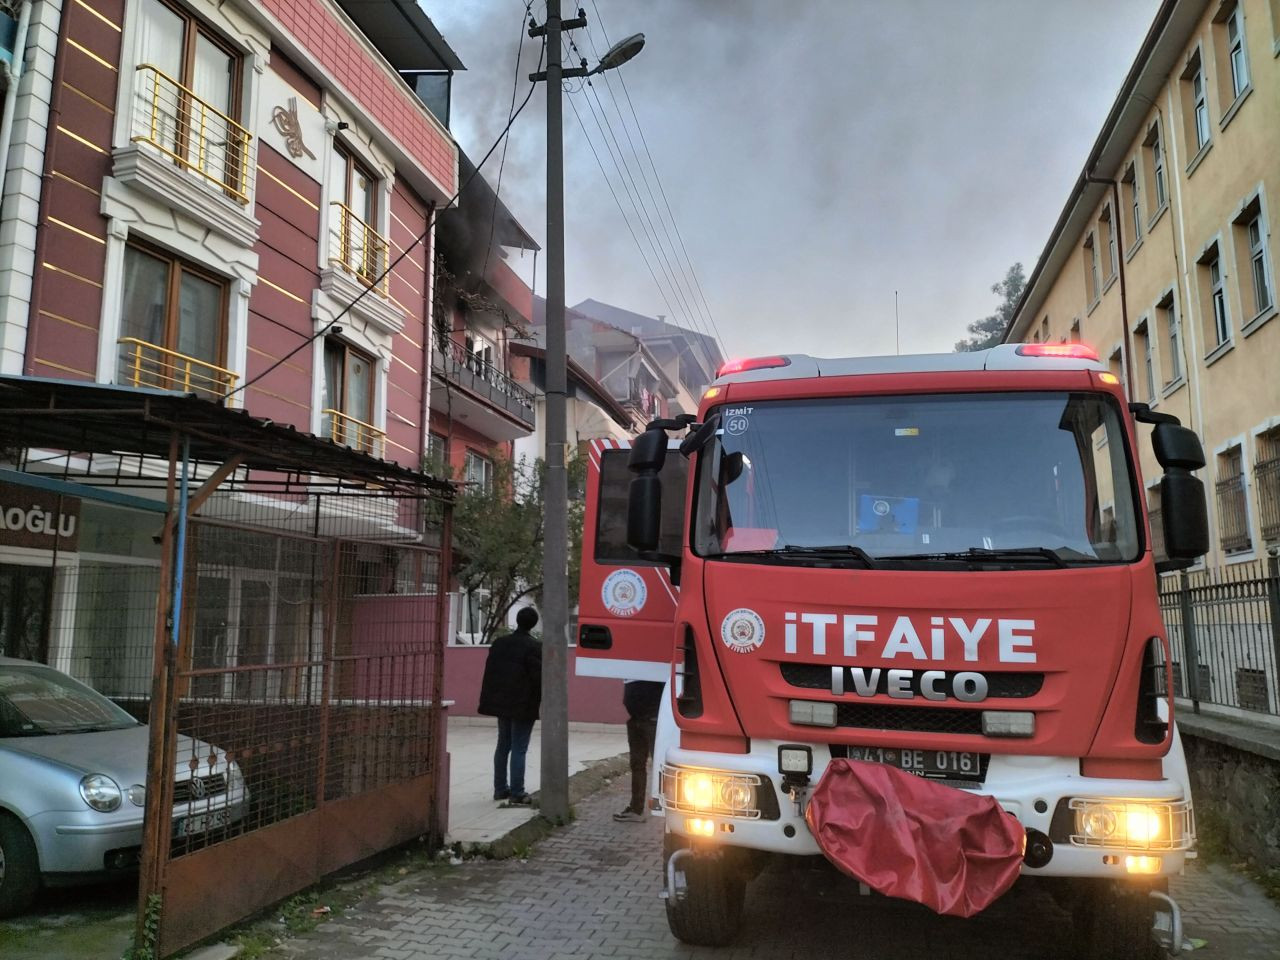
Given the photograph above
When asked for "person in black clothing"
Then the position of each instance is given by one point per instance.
(512, 691)
(642, 698)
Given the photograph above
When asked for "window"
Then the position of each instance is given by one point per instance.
(1231, 54)
(1132, 200)
(1044, 329)
(1109, 237)
(1257, 281)
(356, 244)
(173, 325)
(480, 355)
(1115, 363)
(1213, 299)
(188, 96)
(437, 453)
(478, 472)
(1145, 349)
(1266, 475)
(1171, 335)
(1154, 151)
(347, 404)
(1233, 504)
(611, 513)
(1195, 105)
(1093, 285)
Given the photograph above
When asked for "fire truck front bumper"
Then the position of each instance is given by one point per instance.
(1076, 826)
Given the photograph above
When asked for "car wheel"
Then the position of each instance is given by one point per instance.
(19, 867)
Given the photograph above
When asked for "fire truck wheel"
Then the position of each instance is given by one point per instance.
(710, 909)
(1116, 922)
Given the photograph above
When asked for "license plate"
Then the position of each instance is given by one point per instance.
(201, 823)
(933, 764)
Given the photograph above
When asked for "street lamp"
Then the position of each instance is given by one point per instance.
(554, 778)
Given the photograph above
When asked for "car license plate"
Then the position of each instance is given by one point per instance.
(201, 823)
(933, 764)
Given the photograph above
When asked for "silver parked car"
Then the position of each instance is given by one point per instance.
(73, 769)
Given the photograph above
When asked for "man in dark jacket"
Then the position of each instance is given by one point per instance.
(512, 692)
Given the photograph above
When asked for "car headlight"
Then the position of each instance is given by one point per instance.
(100, 792)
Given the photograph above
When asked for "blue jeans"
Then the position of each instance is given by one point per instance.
(513, 740)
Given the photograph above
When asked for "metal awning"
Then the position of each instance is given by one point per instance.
(93, 418)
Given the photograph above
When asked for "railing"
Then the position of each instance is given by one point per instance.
(1266, 475)
(196, 135)
(1223, 625)
(1233, 512)
(358, 248)
(354, 433)
(145, 364)
(459, 365)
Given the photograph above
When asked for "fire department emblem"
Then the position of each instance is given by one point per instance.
(742, 630)
(624, 593)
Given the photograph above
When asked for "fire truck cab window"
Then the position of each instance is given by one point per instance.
(906, 477)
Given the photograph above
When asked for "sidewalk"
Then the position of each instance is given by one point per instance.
(474, 817)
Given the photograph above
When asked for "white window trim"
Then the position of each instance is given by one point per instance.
(1254, 322)
(1177, 361)
(1218, 242)
(254, 46)
(1240, 440)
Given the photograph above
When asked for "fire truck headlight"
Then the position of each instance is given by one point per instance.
(1133, 824)
(813, 713)
(723, 793)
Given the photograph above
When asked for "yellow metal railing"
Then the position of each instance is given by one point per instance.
(194, 134)
(358, 248)
(145, 364)
(351, 432)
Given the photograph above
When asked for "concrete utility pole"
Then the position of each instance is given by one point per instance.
(554, 779)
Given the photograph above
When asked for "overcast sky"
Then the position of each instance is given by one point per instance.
(817, 155)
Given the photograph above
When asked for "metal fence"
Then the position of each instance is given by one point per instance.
(1224, 634)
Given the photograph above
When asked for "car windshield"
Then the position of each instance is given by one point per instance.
(1029, 479)
(38, 701)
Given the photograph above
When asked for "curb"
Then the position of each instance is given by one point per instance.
(581, 785)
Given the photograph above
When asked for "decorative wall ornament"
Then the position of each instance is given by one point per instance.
(289, 127)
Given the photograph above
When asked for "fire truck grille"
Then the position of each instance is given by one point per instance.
(1002, 685)
(874, 716)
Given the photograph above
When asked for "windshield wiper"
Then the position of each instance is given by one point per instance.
(835, 551)
(988, 555)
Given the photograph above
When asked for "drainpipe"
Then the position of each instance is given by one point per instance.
(13, 73)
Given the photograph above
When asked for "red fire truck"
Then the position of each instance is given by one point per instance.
(907, 611)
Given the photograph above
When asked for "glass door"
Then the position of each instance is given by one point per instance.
(25, 593)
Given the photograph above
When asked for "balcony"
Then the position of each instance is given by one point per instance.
(1266, 475)
(145, 364)
(1233, 514)
(357, 248)
(485, 399)
(350, 432)
(186, 153)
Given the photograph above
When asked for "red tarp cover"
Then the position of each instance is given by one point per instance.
(908, 837)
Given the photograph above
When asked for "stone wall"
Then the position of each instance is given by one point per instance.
(1235, 783)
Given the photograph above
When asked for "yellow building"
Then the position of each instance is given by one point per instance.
(1164, 257)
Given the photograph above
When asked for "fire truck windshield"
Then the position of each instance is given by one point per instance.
(1029, 479)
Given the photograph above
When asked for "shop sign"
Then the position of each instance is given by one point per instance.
(37, 518)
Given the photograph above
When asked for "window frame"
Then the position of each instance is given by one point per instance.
(1154, 145)
(1169, 328)
(1093, 279)
(173, 286)
(1151, 366)
(1132, 196)
(1107, 217)
(474, 456)
(340, 403)
(1224, 453)
(1253, 259)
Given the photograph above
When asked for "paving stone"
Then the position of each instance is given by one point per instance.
(590, 892)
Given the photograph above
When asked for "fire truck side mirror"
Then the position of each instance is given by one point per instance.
(644, 512)
(1184, 517)
(1177, 447)
(648, 452)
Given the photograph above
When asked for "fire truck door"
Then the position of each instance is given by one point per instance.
(626, 605)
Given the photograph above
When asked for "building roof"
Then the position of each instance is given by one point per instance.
(403, 33)
(1167, 37)
(703, 349)
(588, 383)
(574, 319)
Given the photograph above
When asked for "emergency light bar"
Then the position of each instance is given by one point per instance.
(752, 363)
(1058, 351)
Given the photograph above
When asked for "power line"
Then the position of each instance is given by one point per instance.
(617, 156)
(661, 189)
(404, 253)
